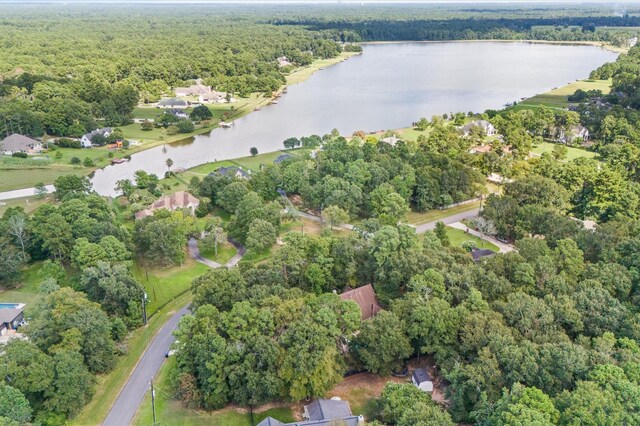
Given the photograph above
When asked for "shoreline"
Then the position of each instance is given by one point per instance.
(255, 100)
(600, 44)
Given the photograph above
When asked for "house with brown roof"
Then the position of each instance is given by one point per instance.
(366, 299)
(178, 201)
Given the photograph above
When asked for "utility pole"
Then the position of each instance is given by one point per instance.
(153, 402)
(144, 308)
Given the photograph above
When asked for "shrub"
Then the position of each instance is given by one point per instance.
(185, 126)
(68, 143)
(19, 155)
(88, 162)
(75, 160)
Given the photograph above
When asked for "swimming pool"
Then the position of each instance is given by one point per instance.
(9, 305)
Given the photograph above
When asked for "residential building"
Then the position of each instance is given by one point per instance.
(391, 140)
(232, 172)
(482, 149)
(283, 61)
(478, 254)
(178, 201)
(366, 299)
(173, 103)
(487, 127)
(87, 138)
(205, 94)
(281, 158)
(422, 380)
(19, 143)
(180, 113)
(11, 317)
(322, 412)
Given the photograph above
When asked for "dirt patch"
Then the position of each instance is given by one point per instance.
(360, 389)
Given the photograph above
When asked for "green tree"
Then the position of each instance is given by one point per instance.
(253, 151)
(215, 234)
(73, 384)
(261, 235)
(200, 113)
(441, 232)
(335, 216)
(524, 406)
(13, 405)
(40, 189)
(382, 344)
(71, 184)
(399, 400)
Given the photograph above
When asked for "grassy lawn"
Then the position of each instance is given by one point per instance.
(171, 412)
(458, 236)
(557, 98)
(225, 252)
(26, 291)
(418, 218)
(29, 204)
(572, 153)
(253, 163)
(165, 284)
(109, 385)
(301, 74)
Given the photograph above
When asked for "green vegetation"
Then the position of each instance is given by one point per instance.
(572, 153)
(171, 412)
(457, 237)
(225, 253)
(557, 98)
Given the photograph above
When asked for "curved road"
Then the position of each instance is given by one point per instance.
(124, 409)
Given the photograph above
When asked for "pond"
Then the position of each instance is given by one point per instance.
(389, 86)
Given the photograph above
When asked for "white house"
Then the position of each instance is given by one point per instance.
(487, 127)
(86, 139)
(391, 140)
(180, 113)
(422, 380)
(283, 61)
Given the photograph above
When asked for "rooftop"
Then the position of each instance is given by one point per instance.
(420, 375)
(327, 409)
(16, 142)
(365, 297)
(478, 254)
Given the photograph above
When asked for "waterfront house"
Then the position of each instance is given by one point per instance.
(366, 299)
(282, 157)
(19, 143)
(178, 201)
(180, 113)
(173, 103)
(232, 172)
(283, 61)
(487, 127)
(391, 140)
(87, 138)
(422, 380)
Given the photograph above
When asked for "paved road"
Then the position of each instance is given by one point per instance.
(21, 193)
(133, 392)
(430, 226)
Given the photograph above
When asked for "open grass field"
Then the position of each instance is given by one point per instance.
(29, 204)
(457, 237)
(109, 385)
(165, 284)
(171, 412)
(557, 98)
(572, 153)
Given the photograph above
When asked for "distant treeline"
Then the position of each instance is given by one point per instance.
(579, 28)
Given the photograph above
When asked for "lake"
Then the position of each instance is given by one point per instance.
(389, 86)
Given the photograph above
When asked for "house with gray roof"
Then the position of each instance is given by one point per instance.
(487, 127)
(322, 412)
(19, 143)
(232, 172)
(11, 316)
(87, 139)
(173, 103)
(282, 157)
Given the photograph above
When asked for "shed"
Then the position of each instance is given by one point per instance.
(422, 379)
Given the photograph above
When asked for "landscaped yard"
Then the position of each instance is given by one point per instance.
(164, 284)
(572, 153)
(27, 291)
(29, 204)
(457, 237)
(557, 98)
(225, 252)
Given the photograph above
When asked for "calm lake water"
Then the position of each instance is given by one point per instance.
(389, 86)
